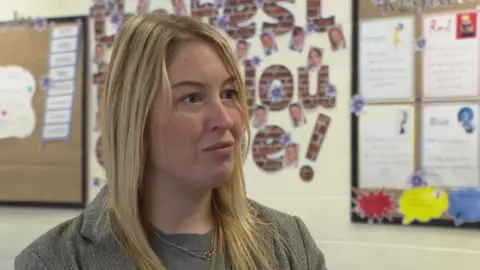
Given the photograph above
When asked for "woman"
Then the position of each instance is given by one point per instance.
(173, 116)
(314, 58)
(337, 40)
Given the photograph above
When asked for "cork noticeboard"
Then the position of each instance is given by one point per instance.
(42, 112)
(416, 104)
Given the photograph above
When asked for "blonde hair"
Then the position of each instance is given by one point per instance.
(138, 69)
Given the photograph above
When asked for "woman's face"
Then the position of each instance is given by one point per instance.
(296, 113)
(204, 127)
(260, 117)
(291, 154)
(336, 36)
(314, 58)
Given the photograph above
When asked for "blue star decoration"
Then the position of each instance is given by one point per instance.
(311, 27)
(116, 19)
(420, 43)
(331, 91)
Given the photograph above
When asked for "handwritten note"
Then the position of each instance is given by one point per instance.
(386, 59)
(450, 58)
(17, 115)
(450, 146)
(386, 146)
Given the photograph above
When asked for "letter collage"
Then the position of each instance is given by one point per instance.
(416, 115)
(284, 97)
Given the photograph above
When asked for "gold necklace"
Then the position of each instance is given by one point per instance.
(206, 256)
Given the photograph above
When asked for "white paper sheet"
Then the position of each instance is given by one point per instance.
(450, 61)
(449, 148)
(386, 140)
(386, 59)
(17, 115)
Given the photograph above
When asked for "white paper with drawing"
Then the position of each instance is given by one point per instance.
(450, 62)
(17, 115)
(386, 146)
(450, 145)
(386, 59)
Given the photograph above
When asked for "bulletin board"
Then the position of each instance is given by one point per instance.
(416, 113)
(42, 112)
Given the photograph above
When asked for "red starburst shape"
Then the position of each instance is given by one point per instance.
(374, 205)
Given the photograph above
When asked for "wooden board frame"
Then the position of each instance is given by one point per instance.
(444, 222)
(80, 204)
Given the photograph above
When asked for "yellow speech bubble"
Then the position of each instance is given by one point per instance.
(422, 204)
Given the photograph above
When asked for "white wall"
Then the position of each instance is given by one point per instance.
(323, 204)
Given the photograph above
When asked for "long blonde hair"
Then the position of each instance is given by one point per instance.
(137, 70)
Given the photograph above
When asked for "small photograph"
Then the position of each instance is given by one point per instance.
(297, 41)
(466, 25)
(297, 114)
(402, 122)
(315, 56)
(143, 7)
(99, 56)
(179, 7)
(336, 38)
(466, 118)
(220, 3)
(241, 50)
(260, 117)
(291, 155)
(269, 43)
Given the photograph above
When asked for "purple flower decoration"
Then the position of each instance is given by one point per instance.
(311, 27)
(46, 83)
(287, 139)
(259, 3)
(331, 91)
(40, 24)
(111, 4)
(256, 61)
(417, 180)
(377, 2)
(276, 93)
(116, 19)
(420, 44)
(357, 105)
(96, 182)
(222, 22)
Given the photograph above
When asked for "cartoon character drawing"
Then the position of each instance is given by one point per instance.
(465, 118)
(396, 34)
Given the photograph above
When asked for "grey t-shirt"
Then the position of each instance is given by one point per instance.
(176, 259)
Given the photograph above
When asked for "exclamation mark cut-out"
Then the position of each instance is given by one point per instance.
(314, 145)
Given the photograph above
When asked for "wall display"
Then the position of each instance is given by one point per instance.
(42, 107)
(416, 109)
(284, 101)
(284, 50)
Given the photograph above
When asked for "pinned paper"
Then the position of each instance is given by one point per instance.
(17, 115)
(422, 204)
(374, 206)
(464, 205)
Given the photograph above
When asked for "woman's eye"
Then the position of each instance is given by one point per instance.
(194, 98)
(229, 94)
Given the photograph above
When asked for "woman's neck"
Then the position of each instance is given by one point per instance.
(174, 211)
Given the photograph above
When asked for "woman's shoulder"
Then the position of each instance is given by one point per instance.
(285, 224)
(52, 249)
(292, 238)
